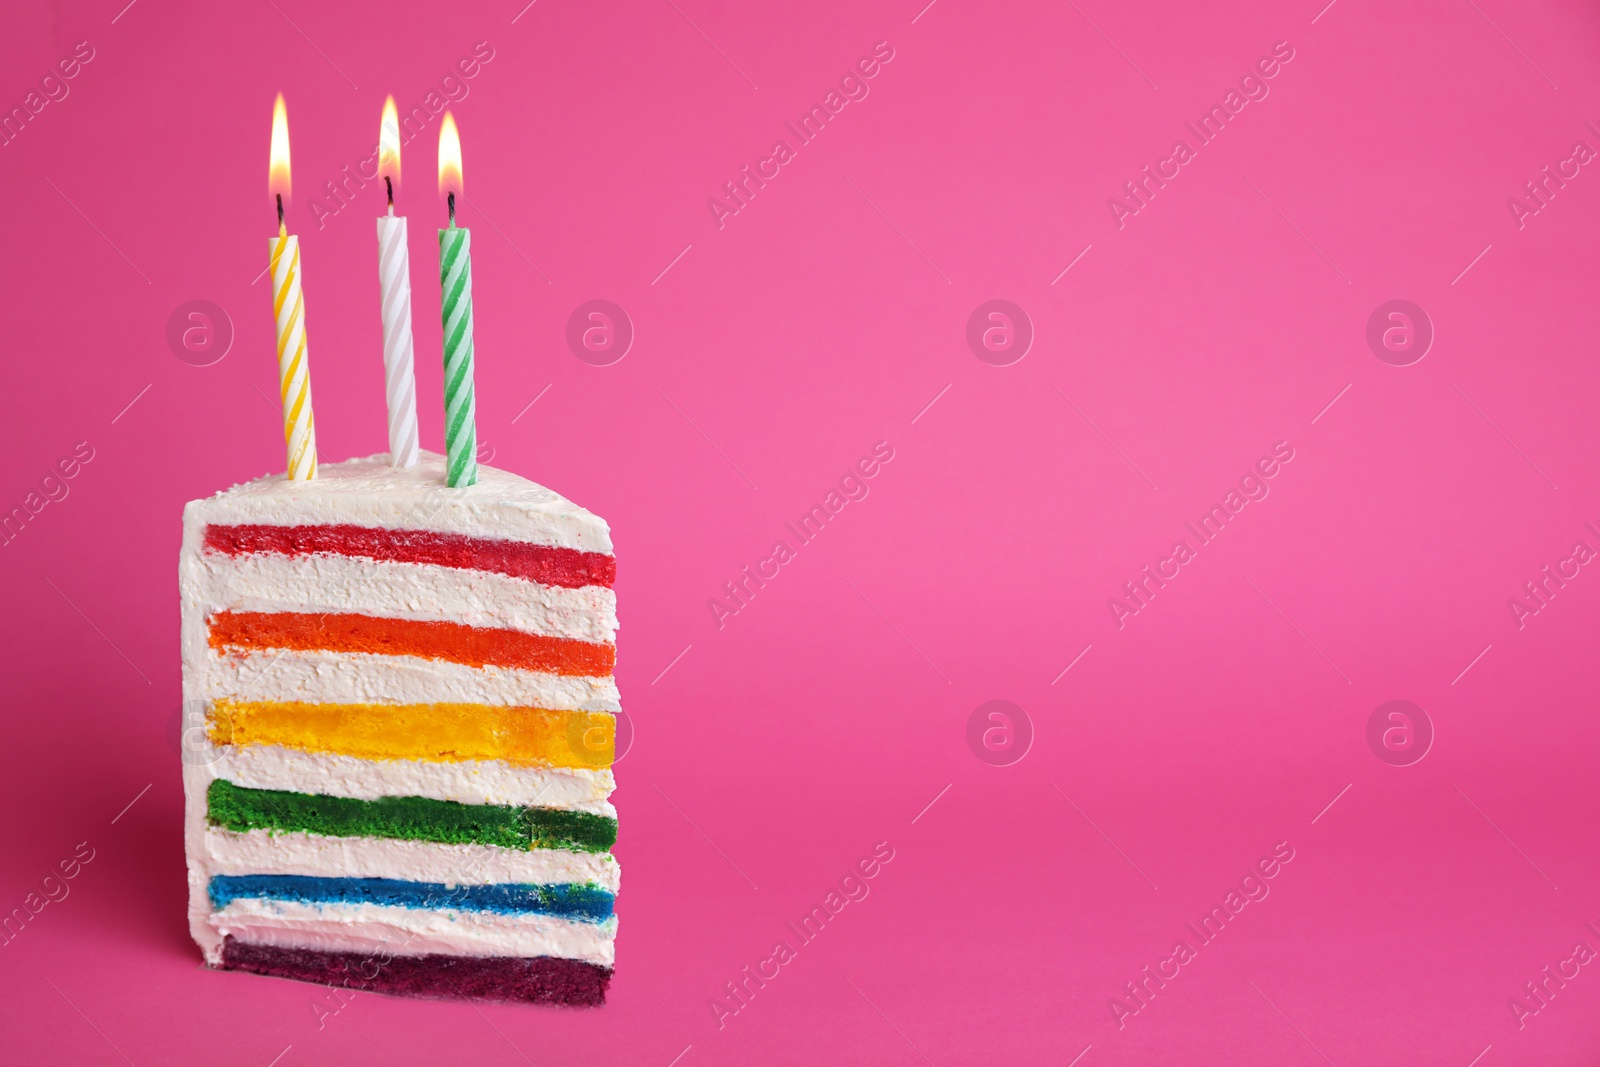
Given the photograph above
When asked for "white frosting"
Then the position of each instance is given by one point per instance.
(466, 782)
(269, 852)
(421, 591)
(369, 492)
(404, 931)
(364, 678)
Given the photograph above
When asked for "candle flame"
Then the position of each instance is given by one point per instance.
(278, 169)
(389, 142)
(449, 156)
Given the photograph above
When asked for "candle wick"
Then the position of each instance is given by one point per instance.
(389, 185)
(451, 199)
(282, 229)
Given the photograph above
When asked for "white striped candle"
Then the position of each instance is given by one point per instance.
(394, 285)
(399, 375)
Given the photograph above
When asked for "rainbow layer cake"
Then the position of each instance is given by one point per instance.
(403, 720)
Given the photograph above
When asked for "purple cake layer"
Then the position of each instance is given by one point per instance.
(540, 980)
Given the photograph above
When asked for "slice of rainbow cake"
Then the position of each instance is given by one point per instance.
(402, 720)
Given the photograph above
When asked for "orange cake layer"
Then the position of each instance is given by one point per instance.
(436, 732)
(472, 645)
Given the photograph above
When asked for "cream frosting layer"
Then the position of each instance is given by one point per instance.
(385, 589)
(467, 782)
(369, 492)
(209, 850)
(364, 678)
(402, 931)
(271, 852)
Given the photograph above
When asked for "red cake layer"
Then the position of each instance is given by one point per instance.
(475, 646)
(545, 564)
(540, 980)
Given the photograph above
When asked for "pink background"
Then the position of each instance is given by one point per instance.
(824, 317)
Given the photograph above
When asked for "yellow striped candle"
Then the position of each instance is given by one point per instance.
(289, 314)
(294, 373)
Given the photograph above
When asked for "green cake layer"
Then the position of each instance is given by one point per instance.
(234, 807)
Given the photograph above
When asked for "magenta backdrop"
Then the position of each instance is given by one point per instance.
(1175, 340)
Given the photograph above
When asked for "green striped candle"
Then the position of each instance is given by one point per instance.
(460, 407)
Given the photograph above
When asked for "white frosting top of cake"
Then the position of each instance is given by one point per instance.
(369, 492)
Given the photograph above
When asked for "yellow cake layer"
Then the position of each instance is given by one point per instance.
(437, 732)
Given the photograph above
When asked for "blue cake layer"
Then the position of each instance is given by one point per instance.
(585, 902)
